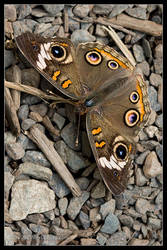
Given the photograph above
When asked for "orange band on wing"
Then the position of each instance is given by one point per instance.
(100, 145)
(66, 84)
(96, 131)
(64, 44)
(101, 51)
(142, 111)
(55, 75)
(130, 147)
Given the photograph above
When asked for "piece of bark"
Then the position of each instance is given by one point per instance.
(10, 112)
(15, 93)
(47, 123)
(49, 151)
(144, 26)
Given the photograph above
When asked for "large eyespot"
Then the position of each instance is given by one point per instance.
(131, 117)
(93, 57)
(120, 151)
(58, 52)
(134, 97)
(113, 64)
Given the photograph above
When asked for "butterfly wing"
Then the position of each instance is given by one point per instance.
(111, 127)
(54, 58)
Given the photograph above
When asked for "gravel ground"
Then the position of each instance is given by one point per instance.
(39, 207)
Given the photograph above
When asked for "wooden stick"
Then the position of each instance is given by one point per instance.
(15, 93)
(47, 123)
(144, 26)
(66, 24)
(11, 113)
(121, 45)
(48, 149)
(68, 240)
(36, 92)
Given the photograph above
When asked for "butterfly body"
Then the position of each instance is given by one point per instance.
(103, 84)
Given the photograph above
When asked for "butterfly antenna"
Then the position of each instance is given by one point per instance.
(78, 128)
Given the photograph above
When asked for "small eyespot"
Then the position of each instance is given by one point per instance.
(115, 173)
(120, 151)
(93, 57)
(35, 47)
(58, 52)
(113, 64)
(134, 97)
(131, 117)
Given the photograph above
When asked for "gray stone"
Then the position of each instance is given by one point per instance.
(58, 186)
(84, 219)
(101, 239)
(50, 32)
(36, 157)
(38, 229)
(9, 137)
(81, 10)
(59, 120)
(10, 12)
(144, 66)
(152, 94)
(68, 134)
(141, 180)
(147, 49)
(9, 237)
(25, 142)
(111, 224)
(126, 220)
(159, 51)
(142, 206)
(152, 166)
(155, 79)
(29, 99)
(83, 182)
(73, 25)
(39, 108)
(117, 239)
(39, 12)
(53, 9)
(106, 208)
(19, 27)
(24, 10)
(140, 159)
(81, 36)
(75, 205)
(138, 53)
(25, 231)
(137, 12)
(8, 181)
(9, 58)
(30, 196)
(159, 198)
(159, 121)
(27, 123)
(42, 27)
(49, 240)
(35, 170)
(159, 151)
(103, 9)
(118, 9)
(15, 150)
(155, 223)
(62, 204)
(23, 112)
(158, 65)
(98, 191)
(46, 19)
(137, 37)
